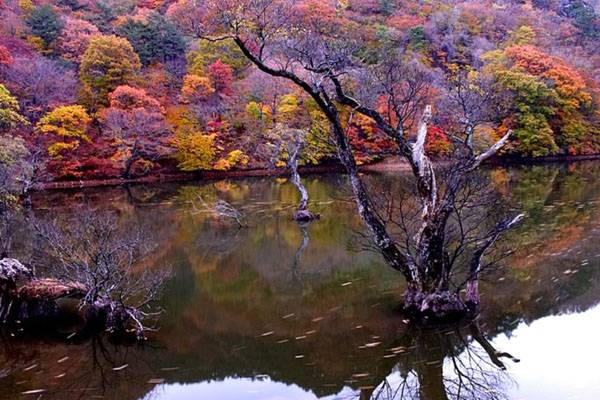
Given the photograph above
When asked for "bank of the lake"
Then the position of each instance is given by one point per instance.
(392, 163)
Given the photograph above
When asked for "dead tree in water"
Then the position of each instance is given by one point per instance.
(287, 144)
(222, 210)
(324, 57)
(103, 258)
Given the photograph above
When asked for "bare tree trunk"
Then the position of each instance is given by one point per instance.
(302, 214)
(388, 248)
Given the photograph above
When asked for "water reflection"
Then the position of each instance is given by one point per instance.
(282, 311)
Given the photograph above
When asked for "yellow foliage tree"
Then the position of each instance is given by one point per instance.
(233, 159)
(67, 126)
(196, 88)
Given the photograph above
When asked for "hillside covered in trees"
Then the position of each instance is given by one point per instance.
(95, 89)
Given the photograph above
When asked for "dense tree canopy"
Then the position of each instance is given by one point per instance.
(109, 61)
(545, 63)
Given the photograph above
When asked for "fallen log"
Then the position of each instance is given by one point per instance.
(29, 300)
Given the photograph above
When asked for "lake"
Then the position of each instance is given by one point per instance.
(278, 311)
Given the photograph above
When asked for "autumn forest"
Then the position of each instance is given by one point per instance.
(126, 88)
(299, 199)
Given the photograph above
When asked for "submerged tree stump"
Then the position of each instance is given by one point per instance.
(305, 216)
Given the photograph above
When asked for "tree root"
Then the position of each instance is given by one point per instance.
(436, 308)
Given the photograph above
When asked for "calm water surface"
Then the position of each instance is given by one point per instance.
(279, 312)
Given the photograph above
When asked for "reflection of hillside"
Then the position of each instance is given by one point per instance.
(227, 302)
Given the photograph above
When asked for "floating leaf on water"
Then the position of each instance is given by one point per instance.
(122, 367)
(35, 391)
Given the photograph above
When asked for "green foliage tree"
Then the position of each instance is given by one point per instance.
(155, 39)
(209, 52)
(584, 17)
(45, 23)
(108, 62)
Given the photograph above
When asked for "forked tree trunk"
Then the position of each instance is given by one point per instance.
(428, 271)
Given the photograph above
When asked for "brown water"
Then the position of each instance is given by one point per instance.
(275, 312)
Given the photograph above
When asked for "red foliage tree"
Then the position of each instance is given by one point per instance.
(221, 76)
(5, 57)
(136, 124)
(438, 143)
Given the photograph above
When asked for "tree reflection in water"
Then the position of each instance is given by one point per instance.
(458, 364)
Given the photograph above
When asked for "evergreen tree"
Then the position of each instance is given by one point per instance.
(154, 40)
(45, 23)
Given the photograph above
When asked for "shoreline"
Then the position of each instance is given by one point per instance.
(390, 164)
